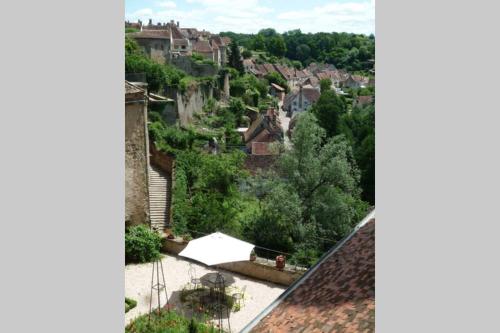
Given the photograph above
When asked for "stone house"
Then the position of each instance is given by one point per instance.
(203, 47)
(136, 155)
(300, 100)
(220, 49)
(155, 43)
(356, 81)
(162, 41)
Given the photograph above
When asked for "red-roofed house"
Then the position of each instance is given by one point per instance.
(335, 295)
(263, 131)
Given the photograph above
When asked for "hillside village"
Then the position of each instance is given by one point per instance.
(222, 138)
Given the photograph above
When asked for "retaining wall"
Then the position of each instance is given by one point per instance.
(259, 269)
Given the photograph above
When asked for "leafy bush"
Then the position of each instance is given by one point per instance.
(168, 322)
(141, 244)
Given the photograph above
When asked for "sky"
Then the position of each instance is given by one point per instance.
(249, 16)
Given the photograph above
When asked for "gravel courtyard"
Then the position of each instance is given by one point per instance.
(258, 294)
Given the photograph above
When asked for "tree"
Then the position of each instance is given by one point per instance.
(303, 52)
(276, 46)
(259, 43)
(328, 109)
(234, 58)
(325, 85)
(320, 176)
(246, 54)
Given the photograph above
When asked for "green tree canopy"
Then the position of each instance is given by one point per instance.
(328, 109)
(234, 58)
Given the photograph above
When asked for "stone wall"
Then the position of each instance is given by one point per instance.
(188, 65)
(189, 102)
(136, 163)
(259, 269)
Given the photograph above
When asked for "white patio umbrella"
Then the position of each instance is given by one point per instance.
(217, 248)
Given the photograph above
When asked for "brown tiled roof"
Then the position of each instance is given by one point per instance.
(364, 100)
(311, 94)
(176, 32)
(313, 81)
(359, 78)
(269, 68)
(132, 92)
(261, 69)
(182, 41)
(283, 71)
(156, 34)
(202, 46)
(248, 62)
(190, 33)
(336, 295)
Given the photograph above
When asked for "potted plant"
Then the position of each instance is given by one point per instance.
(186, 238)
(280, 262)
(253, 256)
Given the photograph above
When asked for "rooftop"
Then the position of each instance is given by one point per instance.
(335, 295)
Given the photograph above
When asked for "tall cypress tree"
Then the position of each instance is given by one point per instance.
(234, 58)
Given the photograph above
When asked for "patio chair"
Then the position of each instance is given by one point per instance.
(195, 281)
(240, 295)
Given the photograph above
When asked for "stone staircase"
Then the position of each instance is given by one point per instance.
(159, 197)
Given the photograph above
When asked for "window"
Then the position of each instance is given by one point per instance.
(183, 47)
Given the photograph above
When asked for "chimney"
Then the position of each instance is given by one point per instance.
(150, 22)
(177, 24)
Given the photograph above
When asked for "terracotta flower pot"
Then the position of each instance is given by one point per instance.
(280, 262)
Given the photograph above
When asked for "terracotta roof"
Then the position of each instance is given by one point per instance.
(313, 81)
(364, 100)
(311, 93)
(133, 92)
(283, 70)
(190, 33)
(176, 32)
(248, 62)
(202, 46)
(359, 78)
(156, 34)
(335, 295)
(269, 68)
(182, 41)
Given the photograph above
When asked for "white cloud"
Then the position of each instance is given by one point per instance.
(167, 4)
(251, 15)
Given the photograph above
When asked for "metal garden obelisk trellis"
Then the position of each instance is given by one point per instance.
(157, 285)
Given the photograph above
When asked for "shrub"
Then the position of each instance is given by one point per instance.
(141, 244)
(167, 321)
(129, 304)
